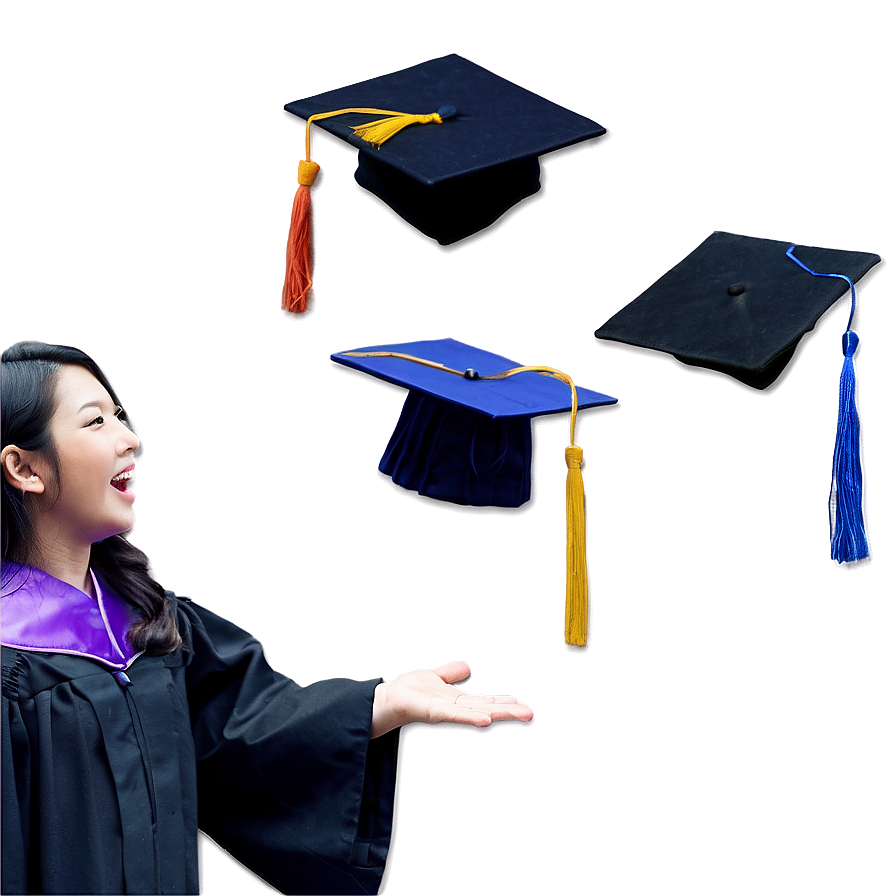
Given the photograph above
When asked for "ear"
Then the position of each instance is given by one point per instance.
(17, 468)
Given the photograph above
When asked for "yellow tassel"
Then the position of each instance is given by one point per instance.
(379, 131)
(297, 282)
(576, 570)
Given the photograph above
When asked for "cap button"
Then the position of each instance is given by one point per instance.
(736, 289)
(446, 112)
(471, 374)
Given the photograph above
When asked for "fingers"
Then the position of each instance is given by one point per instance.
(482, 711)
(510, 712)
(472, 699)
(516, 712)
(467, 717)
(452, 672)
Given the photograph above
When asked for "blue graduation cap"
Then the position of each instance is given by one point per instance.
(464, 434)
(462, 150)
(740, 305)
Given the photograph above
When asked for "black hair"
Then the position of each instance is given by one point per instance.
(29, 371)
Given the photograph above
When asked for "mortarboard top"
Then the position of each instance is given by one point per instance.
(453, 179)
(737, 304)
(464, 438)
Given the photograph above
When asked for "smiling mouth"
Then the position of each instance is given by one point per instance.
(121, 480)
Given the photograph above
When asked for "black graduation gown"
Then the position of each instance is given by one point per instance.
(104, 785)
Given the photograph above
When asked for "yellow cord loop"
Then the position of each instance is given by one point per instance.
(576, 567)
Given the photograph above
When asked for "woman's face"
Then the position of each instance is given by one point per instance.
(95, 452)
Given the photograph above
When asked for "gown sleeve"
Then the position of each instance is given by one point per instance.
(289, 781)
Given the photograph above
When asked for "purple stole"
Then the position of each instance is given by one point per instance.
(41, 613)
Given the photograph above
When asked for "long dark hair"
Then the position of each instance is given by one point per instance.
(29, 371)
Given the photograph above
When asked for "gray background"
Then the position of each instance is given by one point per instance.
(730, 727)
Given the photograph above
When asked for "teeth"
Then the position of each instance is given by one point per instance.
(125, 474)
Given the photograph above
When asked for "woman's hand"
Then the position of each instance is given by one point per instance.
(428, 695)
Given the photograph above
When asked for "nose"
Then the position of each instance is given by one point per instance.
(129, 441)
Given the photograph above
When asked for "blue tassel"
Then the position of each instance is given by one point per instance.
(848, 541)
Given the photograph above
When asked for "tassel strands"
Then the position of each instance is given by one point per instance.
(576, 569)
(847, 525)
(848, 541)
(379, 131)
(297, 282)
(576, 627)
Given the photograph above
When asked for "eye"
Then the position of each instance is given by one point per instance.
(118, 413)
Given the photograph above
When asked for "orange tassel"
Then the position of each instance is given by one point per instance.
(297, 283)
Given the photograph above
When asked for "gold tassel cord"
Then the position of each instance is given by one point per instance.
(576, 623)
(378, 132)
(375, 132)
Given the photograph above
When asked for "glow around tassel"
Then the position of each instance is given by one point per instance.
(576, 570)
(848, 541)
(299, 261)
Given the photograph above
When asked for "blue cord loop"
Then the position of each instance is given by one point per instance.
(848, 541)
(852, 287)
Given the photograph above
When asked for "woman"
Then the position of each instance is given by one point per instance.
(132, 717)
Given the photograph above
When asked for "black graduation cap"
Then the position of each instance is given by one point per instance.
(737, 304)
(740, 305)
(471, 154)
(464, 433)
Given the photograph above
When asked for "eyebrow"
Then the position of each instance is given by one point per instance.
(91, 404)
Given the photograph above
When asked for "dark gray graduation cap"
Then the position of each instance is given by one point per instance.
(464, 435)
(464, 439)
(452, 179)
(737, 304)
(740, 305)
